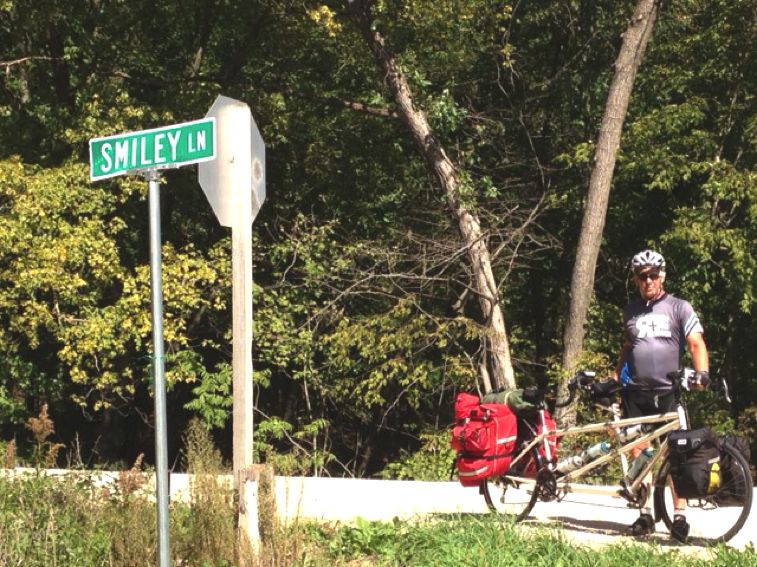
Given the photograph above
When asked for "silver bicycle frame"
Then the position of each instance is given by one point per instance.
(669, 422)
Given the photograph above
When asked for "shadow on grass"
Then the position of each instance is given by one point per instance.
(599, 527)
(616, 529)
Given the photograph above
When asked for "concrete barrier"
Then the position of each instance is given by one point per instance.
(111, 481)
(346, 499)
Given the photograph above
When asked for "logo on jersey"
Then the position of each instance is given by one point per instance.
(653, 325)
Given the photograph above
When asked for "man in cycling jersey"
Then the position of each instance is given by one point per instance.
(657, 328)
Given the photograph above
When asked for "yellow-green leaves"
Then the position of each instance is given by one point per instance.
(71, 296)
(324, 17)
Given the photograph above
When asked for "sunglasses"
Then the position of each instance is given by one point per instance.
(654, 276)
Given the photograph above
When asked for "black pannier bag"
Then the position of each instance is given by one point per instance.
(695, 462)
(733, 482)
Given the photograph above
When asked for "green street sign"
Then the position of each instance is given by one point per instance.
(169, 146)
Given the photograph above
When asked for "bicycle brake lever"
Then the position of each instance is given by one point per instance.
(584, 379)
(726, 392)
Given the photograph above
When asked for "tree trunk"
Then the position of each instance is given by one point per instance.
(496, 342)
(627, 64)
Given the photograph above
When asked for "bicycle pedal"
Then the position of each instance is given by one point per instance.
(623, 493)
(631, 500)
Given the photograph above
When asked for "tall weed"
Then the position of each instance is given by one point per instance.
(131, 519)
(207, 535)
(45, 452)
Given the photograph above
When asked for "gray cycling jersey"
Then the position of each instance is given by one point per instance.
(657, 331)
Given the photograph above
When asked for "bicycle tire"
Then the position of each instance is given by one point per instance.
(510, 498)
(710, 521)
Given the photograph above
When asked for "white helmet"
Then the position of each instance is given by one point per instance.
(648, 259)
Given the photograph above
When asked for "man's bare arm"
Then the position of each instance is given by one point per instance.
(699, 356)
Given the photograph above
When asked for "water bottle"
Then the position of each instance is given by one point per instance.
(601, 448)
(569, 463)
(573, 462)
(638, 464)
(630, 432)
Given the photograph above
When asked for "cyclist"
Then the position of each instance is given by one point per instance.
(657, 328)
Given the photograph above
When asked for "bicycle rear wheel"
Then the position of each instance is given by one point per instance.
(508, 497)
(717, 517)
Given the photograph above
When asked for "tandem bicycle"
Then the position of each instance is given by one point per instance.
(535, 474)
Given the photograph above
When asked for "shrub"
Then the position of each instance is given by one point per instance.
(44, 521)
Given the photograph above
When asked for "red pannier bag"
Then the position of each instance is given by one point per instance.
(484, 439)
(465, 405)
(529, 470)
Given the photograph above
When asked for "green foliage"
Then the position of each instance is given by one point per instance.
(433, 461)
(369, 538)
(365, 326)
(212, 396)
(79, 520)
(306, 455)
(72, 310)
(44, 522)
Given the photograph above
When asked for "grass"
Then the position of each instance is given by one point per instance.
(71, 521)
(486, 541)
(46, 521)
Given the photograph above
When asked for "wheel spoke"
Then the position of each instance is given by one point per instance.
(719, 516)
(504, 496)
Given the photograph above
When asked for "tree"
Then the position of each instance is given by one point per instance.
(367, 315)
(627, 64)
(499, 372)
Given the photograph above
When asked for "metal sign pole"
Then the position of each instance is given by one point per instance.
(146, 152)
(161, 444)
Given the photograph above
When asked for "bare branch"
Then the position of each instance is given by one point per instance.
(14, 62)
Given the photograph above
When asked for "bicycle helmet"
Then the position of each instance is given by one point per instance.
(648, 259)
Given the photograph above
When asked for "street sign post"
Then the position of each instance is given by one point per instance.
(158, 365)
(145, 153)
(159, 148)
(234, 184)
(230, 151)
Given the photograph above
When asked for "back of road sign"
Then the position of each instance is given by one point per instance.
(234, 183)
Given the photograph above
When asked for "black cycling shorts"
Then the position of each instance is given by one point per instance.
(638, 403)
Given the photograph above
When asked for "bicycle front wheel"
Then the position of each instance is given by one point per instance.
(508, 497)
(719, 516)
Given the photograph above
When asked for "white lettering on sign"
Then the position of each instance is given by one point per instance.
(653, 325)
(105, 152)
(142, 155)
(128, 153)
(159, 148)
(173, 141)
(122, 154)
(182, 144)
(197, 144)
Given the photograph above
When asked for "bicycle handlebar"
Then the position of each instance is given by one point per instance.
(682, 380)
(685, 378)
(585, 381)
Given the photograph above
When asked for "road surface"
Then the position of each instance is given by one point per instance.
(588, 519)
